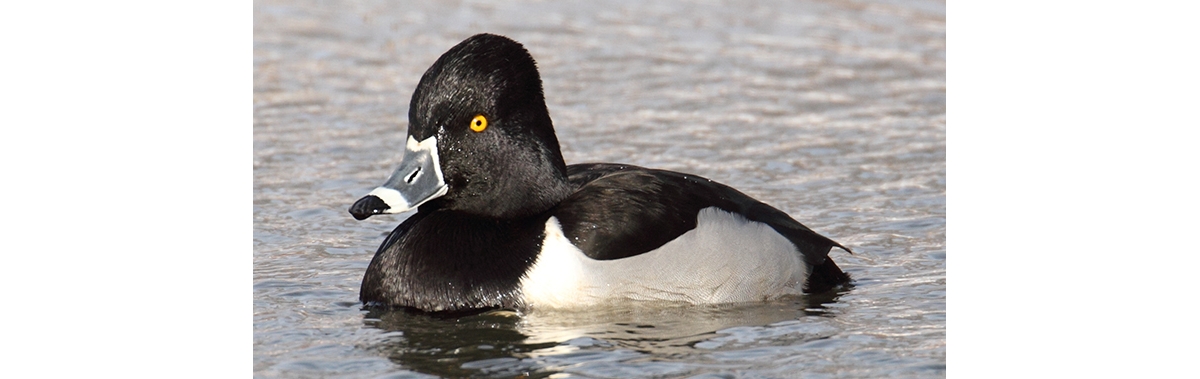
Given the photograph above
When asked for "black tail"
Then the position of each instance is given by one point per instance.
(824, 277)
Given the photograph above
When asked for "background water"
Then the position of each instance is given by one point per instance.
(833, 112)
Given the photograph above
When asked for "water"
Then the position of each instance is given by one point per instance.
(833, 112)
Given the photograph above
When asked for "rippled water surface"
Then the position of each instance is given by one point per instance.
(833, 112)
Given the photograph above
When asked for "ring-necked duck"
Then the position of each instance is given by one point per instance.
(503, 222)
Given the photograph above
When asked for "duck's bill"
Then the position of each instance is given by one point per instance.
(418, 180)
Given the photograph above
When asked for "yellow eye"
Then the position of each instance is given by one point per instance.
(479, 123)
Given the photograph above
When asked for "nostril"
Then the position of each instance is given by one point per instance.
(412, 176)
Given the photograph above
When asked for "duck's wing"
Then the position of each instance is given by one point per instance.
(621, 211)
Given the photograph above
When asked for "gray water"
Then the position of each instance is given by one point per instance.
(833, 112)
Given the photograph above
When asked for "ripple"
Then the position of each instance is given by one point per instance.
(832, 112)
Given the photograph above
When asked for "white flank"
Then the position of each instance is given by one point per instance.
(725, 259)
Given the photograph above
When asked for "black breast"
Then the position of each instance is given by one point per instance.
(443, 260)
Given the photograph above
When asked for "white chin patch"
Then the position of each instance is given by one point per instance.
(394, 200)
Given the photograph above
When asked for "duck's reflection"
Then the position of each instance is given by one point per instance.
(542, 343)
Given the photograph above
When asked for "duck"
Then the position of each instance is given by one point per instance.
(502, 222)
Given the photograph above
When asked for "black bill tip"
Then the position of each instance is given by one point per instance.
(368, 206)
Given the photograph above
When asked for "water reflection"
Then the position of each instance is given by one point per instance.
(440, 346)
(610, 341)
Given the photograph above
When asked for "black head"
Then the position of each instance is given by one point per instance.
(482, 102)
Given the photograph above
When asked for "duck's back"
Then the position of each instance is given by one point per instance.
(635, 233)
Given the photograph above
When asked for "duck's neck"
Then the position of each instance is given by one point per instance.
(537, 193)
(542, 179)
